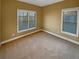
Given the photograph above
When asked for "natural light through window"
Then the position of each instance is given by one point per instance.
(26, 20)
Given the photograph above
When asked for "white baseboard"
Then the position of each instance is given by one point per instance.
(38, 31)
(70, 40)
(19, 37)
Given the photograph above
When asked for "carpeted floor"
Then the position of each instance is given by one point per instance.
(40, 45)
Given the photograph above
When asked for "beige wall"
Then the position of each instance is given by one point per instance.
(0, 20)
(52, 16)
(9, 17)
(48, 17)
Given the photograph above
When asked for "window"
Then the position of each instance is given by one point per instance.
(26, 20)
(32, 17)
(70, 21)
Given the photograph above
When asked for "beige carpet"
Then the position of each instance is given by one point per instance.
(39, 46)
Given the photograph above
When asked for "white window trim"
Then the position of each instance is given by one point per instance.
(70, 9)
(28, 22)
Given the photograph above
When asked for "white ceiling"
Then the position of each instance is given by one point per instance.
(41, 3)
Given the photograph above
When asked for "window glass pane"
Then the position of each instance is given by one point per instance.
(21, 13)
(26, 20)
(70, 22)
(32, 19)
(23, 21)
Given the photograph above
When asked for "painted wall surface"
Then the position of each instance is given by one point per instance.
(48, 17)
(9, 17)
(52, 16)
(0, 21)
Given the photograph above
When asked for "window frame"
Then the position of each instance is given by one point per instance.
(19, 31)
(77, 29)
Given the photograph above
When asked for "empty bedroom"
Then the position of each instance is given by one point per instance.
(39, 29)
